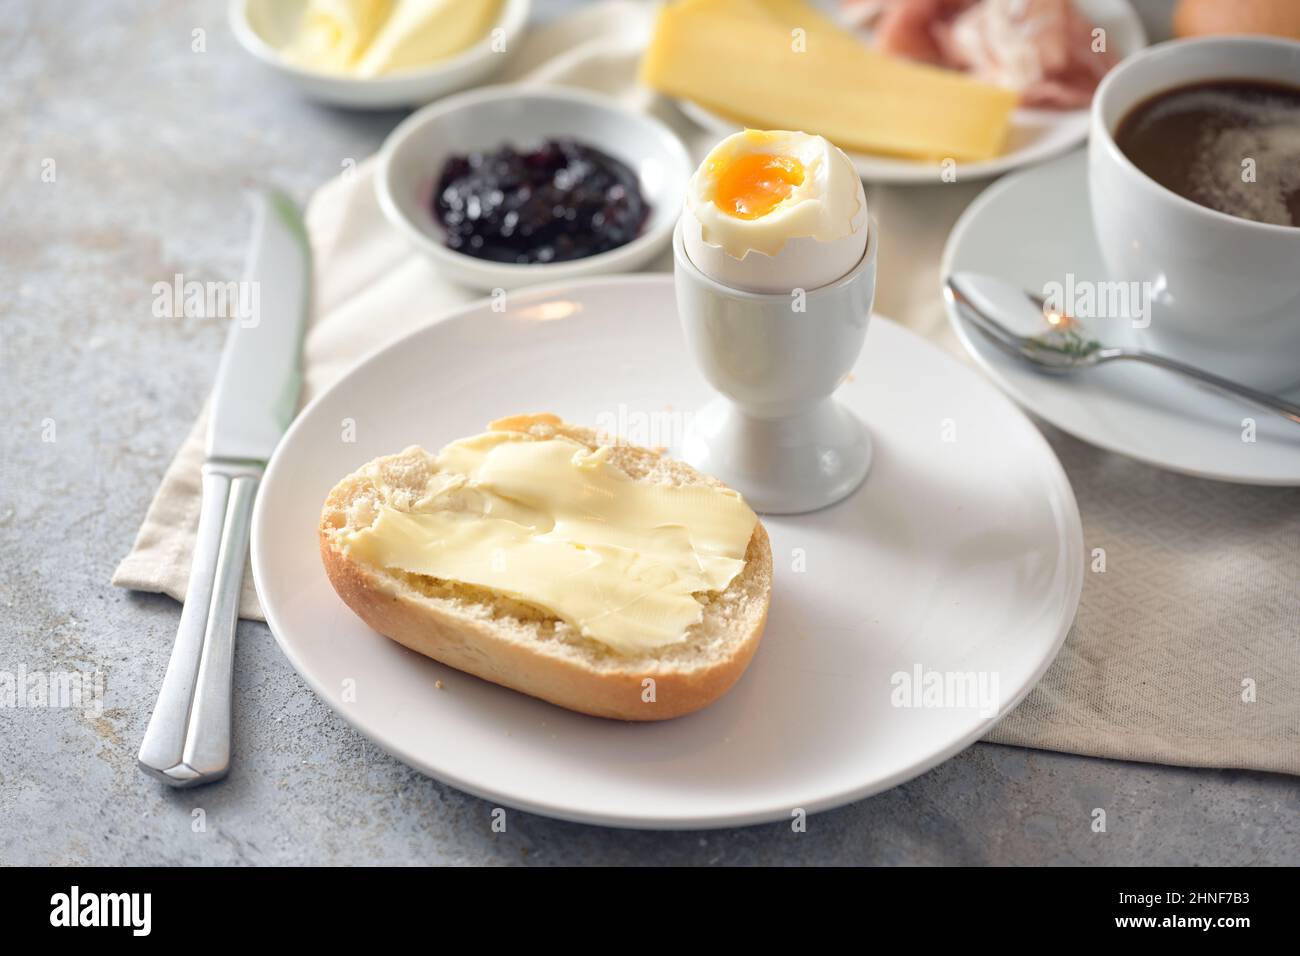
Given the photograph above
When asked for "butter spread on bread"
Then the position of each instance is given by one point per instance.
(551, 523)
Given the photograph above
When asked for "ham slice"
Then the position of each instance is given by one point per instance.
(908, 28)
(1041, 48)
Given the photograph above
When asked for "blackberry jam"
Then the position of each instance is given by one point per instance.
(552, 202)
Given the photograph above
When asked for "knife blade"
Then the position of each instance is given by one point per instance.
(258, 380)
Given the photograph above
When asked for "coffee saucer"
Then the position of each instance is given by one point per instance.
(1034, 228)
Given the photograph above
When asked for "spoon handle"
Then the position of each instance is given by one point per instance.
(1287, 410)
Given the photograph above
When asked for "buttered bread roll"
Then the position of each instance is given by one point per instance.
(541, 556)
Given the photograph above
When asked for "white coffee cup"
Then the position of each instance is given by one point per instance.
(1222, 292)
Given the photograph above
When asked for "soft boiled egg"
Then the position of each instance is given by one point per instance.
(772, 210)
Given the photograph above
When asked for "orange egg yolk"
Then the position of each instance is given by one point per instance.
(751, 186)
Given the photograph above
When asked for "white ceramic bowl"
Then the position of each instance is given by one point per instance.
(263, 27)
(1224, 292)
(413, 156)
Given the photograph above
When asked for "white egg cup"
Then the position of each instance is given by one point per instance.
(775, 433)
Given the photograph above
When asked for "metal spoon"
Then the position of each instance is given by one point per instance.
(1066, 345)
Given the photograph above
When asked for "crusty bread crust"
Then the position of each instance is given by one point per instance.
(521, 648)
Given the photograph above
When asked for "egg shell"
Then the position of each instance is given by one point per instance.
(804, 262)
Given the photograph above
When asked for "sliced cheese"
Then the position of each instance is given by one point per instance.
(559, 527)
(744, 59)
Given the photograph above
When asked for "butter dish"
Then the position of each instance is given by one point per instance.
(267, 28)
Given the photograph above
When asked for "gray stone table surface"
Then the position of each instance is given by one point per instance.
(123, 155)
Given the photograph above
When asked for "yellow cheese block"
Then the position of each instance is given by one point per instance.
(797, 13)
(745, 59)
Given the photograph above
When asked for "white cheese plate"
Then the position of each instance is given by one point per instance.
(1035, 135)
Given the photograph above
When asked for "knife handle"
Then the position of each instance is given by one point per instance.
(187, 742)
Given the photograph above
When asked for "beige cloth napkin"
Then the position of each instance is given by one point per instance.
(1200, 599)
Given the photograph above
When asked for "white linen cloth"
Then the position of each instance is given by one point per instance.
(1185, 650)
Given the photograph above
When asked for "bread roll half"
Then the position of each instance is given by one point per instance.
(497, 638)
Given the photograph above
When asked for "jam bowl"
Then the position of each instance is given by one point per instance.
(483, 176)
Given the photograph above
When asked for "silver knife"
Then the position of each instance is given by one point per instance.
(188, 739)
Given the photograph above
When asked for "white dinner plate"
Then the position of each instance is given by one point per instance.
(1035, 135)
(961, 554)
(1036, 227)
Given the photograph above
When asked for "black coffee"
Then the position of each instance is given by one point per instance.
(1231, 145)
